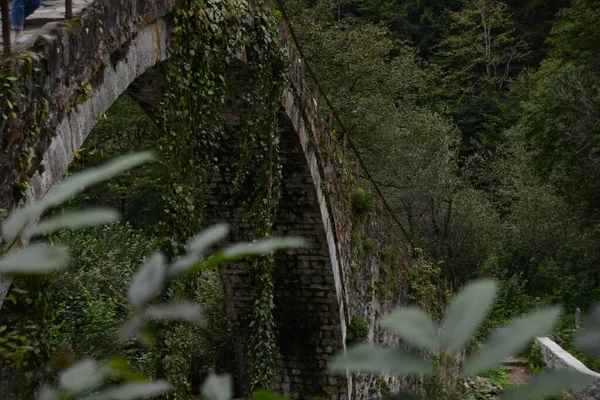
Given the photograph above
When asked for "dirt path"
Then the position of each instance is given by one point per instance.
(518, 373)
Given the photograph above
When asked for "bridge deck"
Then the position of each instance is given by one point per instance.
(37, 23)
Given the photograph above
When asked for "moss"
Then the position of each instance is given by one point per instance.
(40, 42)
(358, 330)
(27, 61)
(70, 25)
(368, 244)
(356, 239)
(362, 202)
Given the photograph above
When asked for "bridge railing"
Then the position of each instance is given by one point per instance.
(6, 22)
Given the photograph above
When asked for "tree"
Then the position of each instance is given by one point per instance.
(561, 111)
(483, 48)
(479, 56)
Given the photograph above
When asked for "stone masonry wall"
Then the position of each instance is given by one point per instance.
(108, 46)
(369, 262)
(309, 330)
(90, 48)
(556, 357)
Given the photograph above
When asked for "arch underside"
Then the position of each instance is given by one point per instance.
(307, 309)
(144, 51)
(307, 300)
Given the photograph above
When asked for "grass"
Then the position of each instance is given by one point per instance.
(497, 376)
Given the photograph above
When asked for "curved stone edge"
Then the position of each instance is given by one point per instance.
(145, 50)
(358, 294)
(557, 358)
(75, 127)
(66, 55)
(294, 112)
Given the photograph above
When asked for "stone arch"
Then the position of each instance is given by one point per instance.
(308, 312)
(147, 49)
(309, 305)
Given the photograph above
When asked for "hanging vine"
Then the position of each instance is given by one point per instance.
(207, 38)
(260, 133)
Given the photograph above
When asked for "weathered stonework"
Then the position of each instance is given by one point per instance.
(87, 49)
(108, 46)
(557, 358)
(318, 290)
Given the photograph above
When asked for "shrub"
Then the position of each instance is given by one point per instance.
(358, 330)
(534, 360)
(447, 341)
(148, 284)
(88, 301)
(362, 201)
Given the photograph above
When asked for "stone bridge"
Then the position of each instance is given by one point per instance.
(354, 268)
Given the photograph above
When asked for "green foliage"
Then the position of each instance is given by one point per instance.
(88, 300)
(427, 288)
(358, 330)
(32, 350)
(565, 334)
(84, 92)
(587, 338)
(497, 376)
(8, 91)
(147, 284)
(510, 302)
(215, 351)
(463, 315)
(192, 120)
(136, 194)
(24, 338)
(362, 202)
(534, 360)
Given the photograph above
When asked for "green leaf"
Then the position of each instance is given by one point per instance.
(180, 311)
(83, 375)
(16, 222)
(132, 391)
(548, 383)
(120, 369)
(413, 325)
(207, 238)
(263, 246)
(369, 359)
(509, 340)
(148, 281)
(467, 310)
(182, 265)
(34, 259)
(217, 387)
(78, 182)
(131, 327)
(76, 219)
(68, 188)
(47, 393)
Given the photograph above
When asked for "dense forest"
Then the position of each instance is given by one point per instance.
(478, 119)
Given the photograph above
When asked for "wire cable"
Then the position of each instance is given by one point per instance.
(351, 144)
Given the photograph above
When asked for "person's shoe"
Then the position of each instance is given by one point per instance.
(22, 38)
